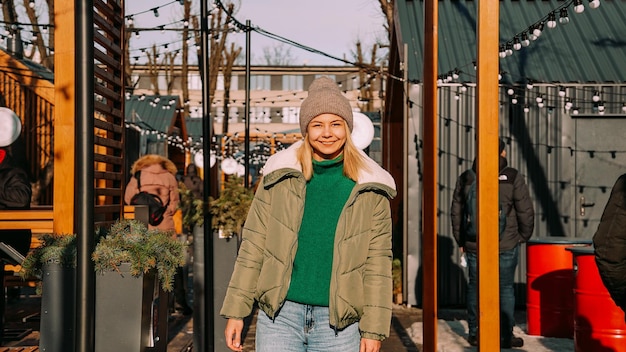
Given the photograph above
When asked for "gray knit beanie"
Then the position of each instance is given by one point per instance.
(324, 98)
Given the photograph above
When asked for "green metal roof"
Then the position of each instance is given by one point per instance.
(152, 112)
(589, 49)
(194, 127)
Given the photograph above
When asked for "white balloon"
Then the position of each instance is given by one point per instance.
(229, 166)
(198, 159)
(241, 170)
(10, 127)
(362, 130)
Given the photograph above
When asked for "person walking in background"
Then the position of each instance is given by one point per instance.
(158, 176)
(316, 251)
(193, 182)
(609, 244)
(518, 208)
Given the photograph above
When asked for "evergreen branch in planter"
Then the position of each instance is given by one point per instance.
(130, 241)
(54, 248)
(229, 211)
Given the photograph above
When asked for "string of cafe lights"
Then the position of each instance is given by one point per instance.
(523, 39)
(532, 33)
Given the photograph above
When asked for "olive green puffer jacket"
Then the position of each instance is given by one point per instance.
(361, 284)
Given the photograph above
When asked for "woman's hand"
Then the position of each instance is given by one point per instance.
(233, 330)
(369, 345)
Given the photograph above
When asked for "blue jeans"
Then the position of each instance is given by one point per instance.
(301, 328)
(508, 263)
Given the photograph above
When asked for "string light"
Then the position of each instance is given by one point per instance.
(594, 4)
(563, 17)
(551, 23)
(578, 6)
(596, 96)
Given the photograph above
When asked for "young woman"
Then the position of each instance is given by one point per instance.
(316, 250)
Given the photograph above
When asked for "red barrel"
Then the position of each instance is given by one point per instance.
(598, 323)
(550, 286)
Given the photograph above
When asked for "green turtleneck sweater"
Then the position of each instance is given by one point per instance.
(326, 194)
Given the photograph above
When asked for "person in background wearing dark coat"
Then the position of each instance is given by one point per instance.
(193, 182)
(520, 222)
(15, 188)
(609, 244)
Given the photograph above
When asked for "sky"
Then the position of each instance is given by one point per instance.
(330, 26)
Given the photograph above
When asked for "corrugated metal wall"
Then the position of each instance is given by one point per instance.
(569, 155)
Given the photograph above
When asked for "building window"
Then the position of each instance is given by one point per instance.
(293, 82)
(260, 82)
(290, 114)
(194, 82)
(259, 114)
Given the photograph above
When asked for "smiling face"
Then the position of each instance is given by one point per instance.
(327, 135)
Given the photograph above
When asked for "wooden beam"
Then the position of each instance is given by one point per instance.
(429, 208)
(487, 175)
(64, 127)
(27, 77)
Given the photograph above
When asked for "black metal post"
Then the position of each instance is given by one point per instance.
(84, 196)
(247, 110)
(208, 342)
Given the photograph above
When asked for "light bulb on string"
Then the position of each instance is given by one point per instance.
(510, 91)
(517, 45)
(525, 41)
(578, 6)
(596, 96)
(568, 104)
(551, 23)
(594, 4)
(539, 98)
(509, 49)
(563, 17)
(562, 91)
(502, 52)
(538, 29)
(155, 11)
(624, 107)
(526, 109)
(529, 85)
(514, 100)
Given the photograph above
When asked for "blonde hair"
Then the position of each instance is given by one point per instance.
(353, 160)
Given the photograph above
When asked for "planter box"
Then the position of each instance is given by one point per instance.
(58, 314)
(129, 312)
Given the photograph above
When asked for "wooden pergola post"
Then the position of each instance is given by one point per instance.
(64, 124)
(429, 236)
(487, 175)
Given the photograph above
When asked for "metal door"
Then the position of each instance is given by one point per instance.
(600, 158)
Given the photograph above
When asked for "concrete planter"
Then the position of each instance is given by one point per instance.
(129, 312)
